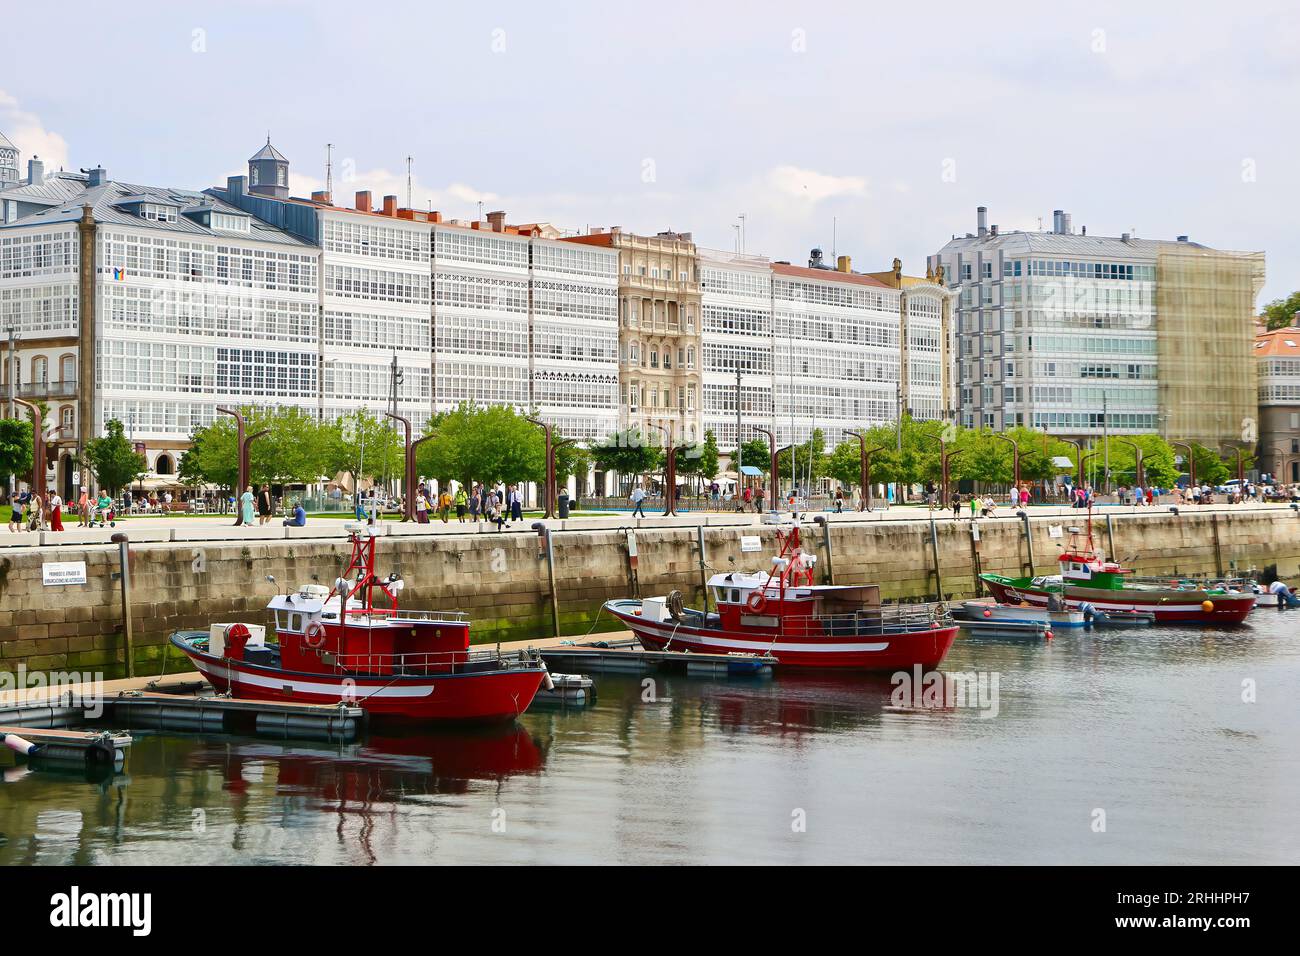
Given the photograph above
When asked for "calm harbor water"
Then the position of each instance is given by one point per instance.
(1147, 726)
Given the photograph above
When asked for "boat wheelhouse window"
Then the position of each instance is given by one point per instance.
(735, 595)
(295, 622)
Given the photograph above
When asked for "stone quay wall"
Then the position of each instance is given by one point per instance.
(502, 580)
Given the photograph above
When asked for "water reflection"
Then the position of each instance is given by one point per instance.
(674, 769)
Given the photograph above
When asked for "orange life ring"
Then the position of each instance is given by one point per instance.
(756, 601)
(314, 636)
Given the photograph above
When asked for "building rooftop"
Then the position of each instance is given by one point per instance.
(107, 202)
(56, 188)
(1066, 244)
(826, 275)
(1279, 342)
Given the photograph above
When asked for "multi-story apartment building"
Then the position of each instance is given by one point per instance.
(1278, 355)
(9, 169)
(152, 306)
(659, 331)
(1082, 334)
(816, 347)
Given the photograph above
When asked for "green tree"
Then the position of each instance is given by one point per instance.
(15, 448)
(755, 453)
(363, 445)
(295, 450)
(573, 460)
(807, 456)
(629, 453)
(491, 444)
(1210, 468)
(1280, 313)
(112, 460)
(700, 460)
(213, 457)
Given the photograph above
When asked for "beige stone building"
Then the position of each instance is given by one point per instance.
(659, 331)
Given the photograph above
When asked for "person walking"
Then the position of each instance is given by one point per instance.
(638, 501)
(246, 506)
(56, 512)
(83, 507)
(516, 504)
(421, 508)
(839, 501)
(956, 507)
(15, 513)
(462, 504)
(264, 508)
(974, 506)
(475, 504)
(444, 505)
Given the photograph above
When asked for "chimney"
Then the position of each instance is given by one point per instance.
(435, 216)
(321, 196)
(98, 176)
(615, 230)
(993, 229)
(35, 171)
(498, 220)
(1066, 228)
(1182, 238)
(596, 231)
(1125, 237)
(236, 185)
(1056, 220)
(982, 220)
(843, 264)
(363, 200)
(390, 205)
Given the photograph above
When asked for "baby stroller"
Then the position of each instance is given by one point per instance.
(102, 517)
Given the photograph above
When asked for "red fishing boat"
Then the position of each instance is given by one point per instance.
(1090, 583)
(783, 613)
(338, 645)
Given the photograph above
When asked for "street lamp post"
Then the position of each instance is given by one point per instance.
(1015, 459)
(1138, 475)
(864, 468)
(771, 446)
(241, 481)
(1078, 456)
(670, 471)
(409, 477)
(945, 457)
(1191, 463)
(38, 447)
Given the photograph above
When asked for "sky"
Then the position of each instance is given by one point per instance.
(870, 130)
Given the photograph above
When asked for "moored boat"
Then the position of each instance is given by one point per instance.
(338, 645)
(802, 624)
(1088, 579)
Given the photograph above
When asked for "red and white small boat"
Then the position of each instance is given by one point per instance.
(336, 645)
(801, 624)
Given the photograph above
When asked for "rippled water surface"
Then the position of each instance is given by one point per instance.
(1148, 727)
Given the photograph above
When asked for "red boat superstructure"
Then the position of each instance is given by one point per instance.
(338, 644)
(802, 624)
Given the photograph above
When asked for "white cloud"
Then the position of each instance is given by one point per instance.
(814, 186)
(26, 131)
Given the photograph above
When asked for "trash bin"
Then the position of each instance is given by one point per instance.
(564, 504)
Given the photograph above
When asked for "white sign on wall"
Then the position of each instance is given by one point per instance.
(63, 572)
(751, 542)
(1055, 531)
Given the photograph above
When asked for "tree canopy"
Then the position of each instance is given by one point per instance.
(15, 448)
(112, 459)
(1280, 313)
(492, 444)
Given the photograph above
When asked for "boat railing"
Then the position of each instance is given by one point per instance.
(889, 618)
(419, 663)
(402, 614)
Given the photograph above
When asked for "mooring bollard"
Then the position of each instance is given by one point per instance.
(123, 547)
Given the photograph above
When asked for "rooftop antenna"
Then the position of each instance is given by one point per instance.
(329, 169)
(480, 210)
(736, 226)
(742, 233)
(408, 182)
(835, 226)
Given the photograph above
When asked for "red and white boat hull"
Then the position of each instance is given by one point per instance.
(474, 696)
(875, 652)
